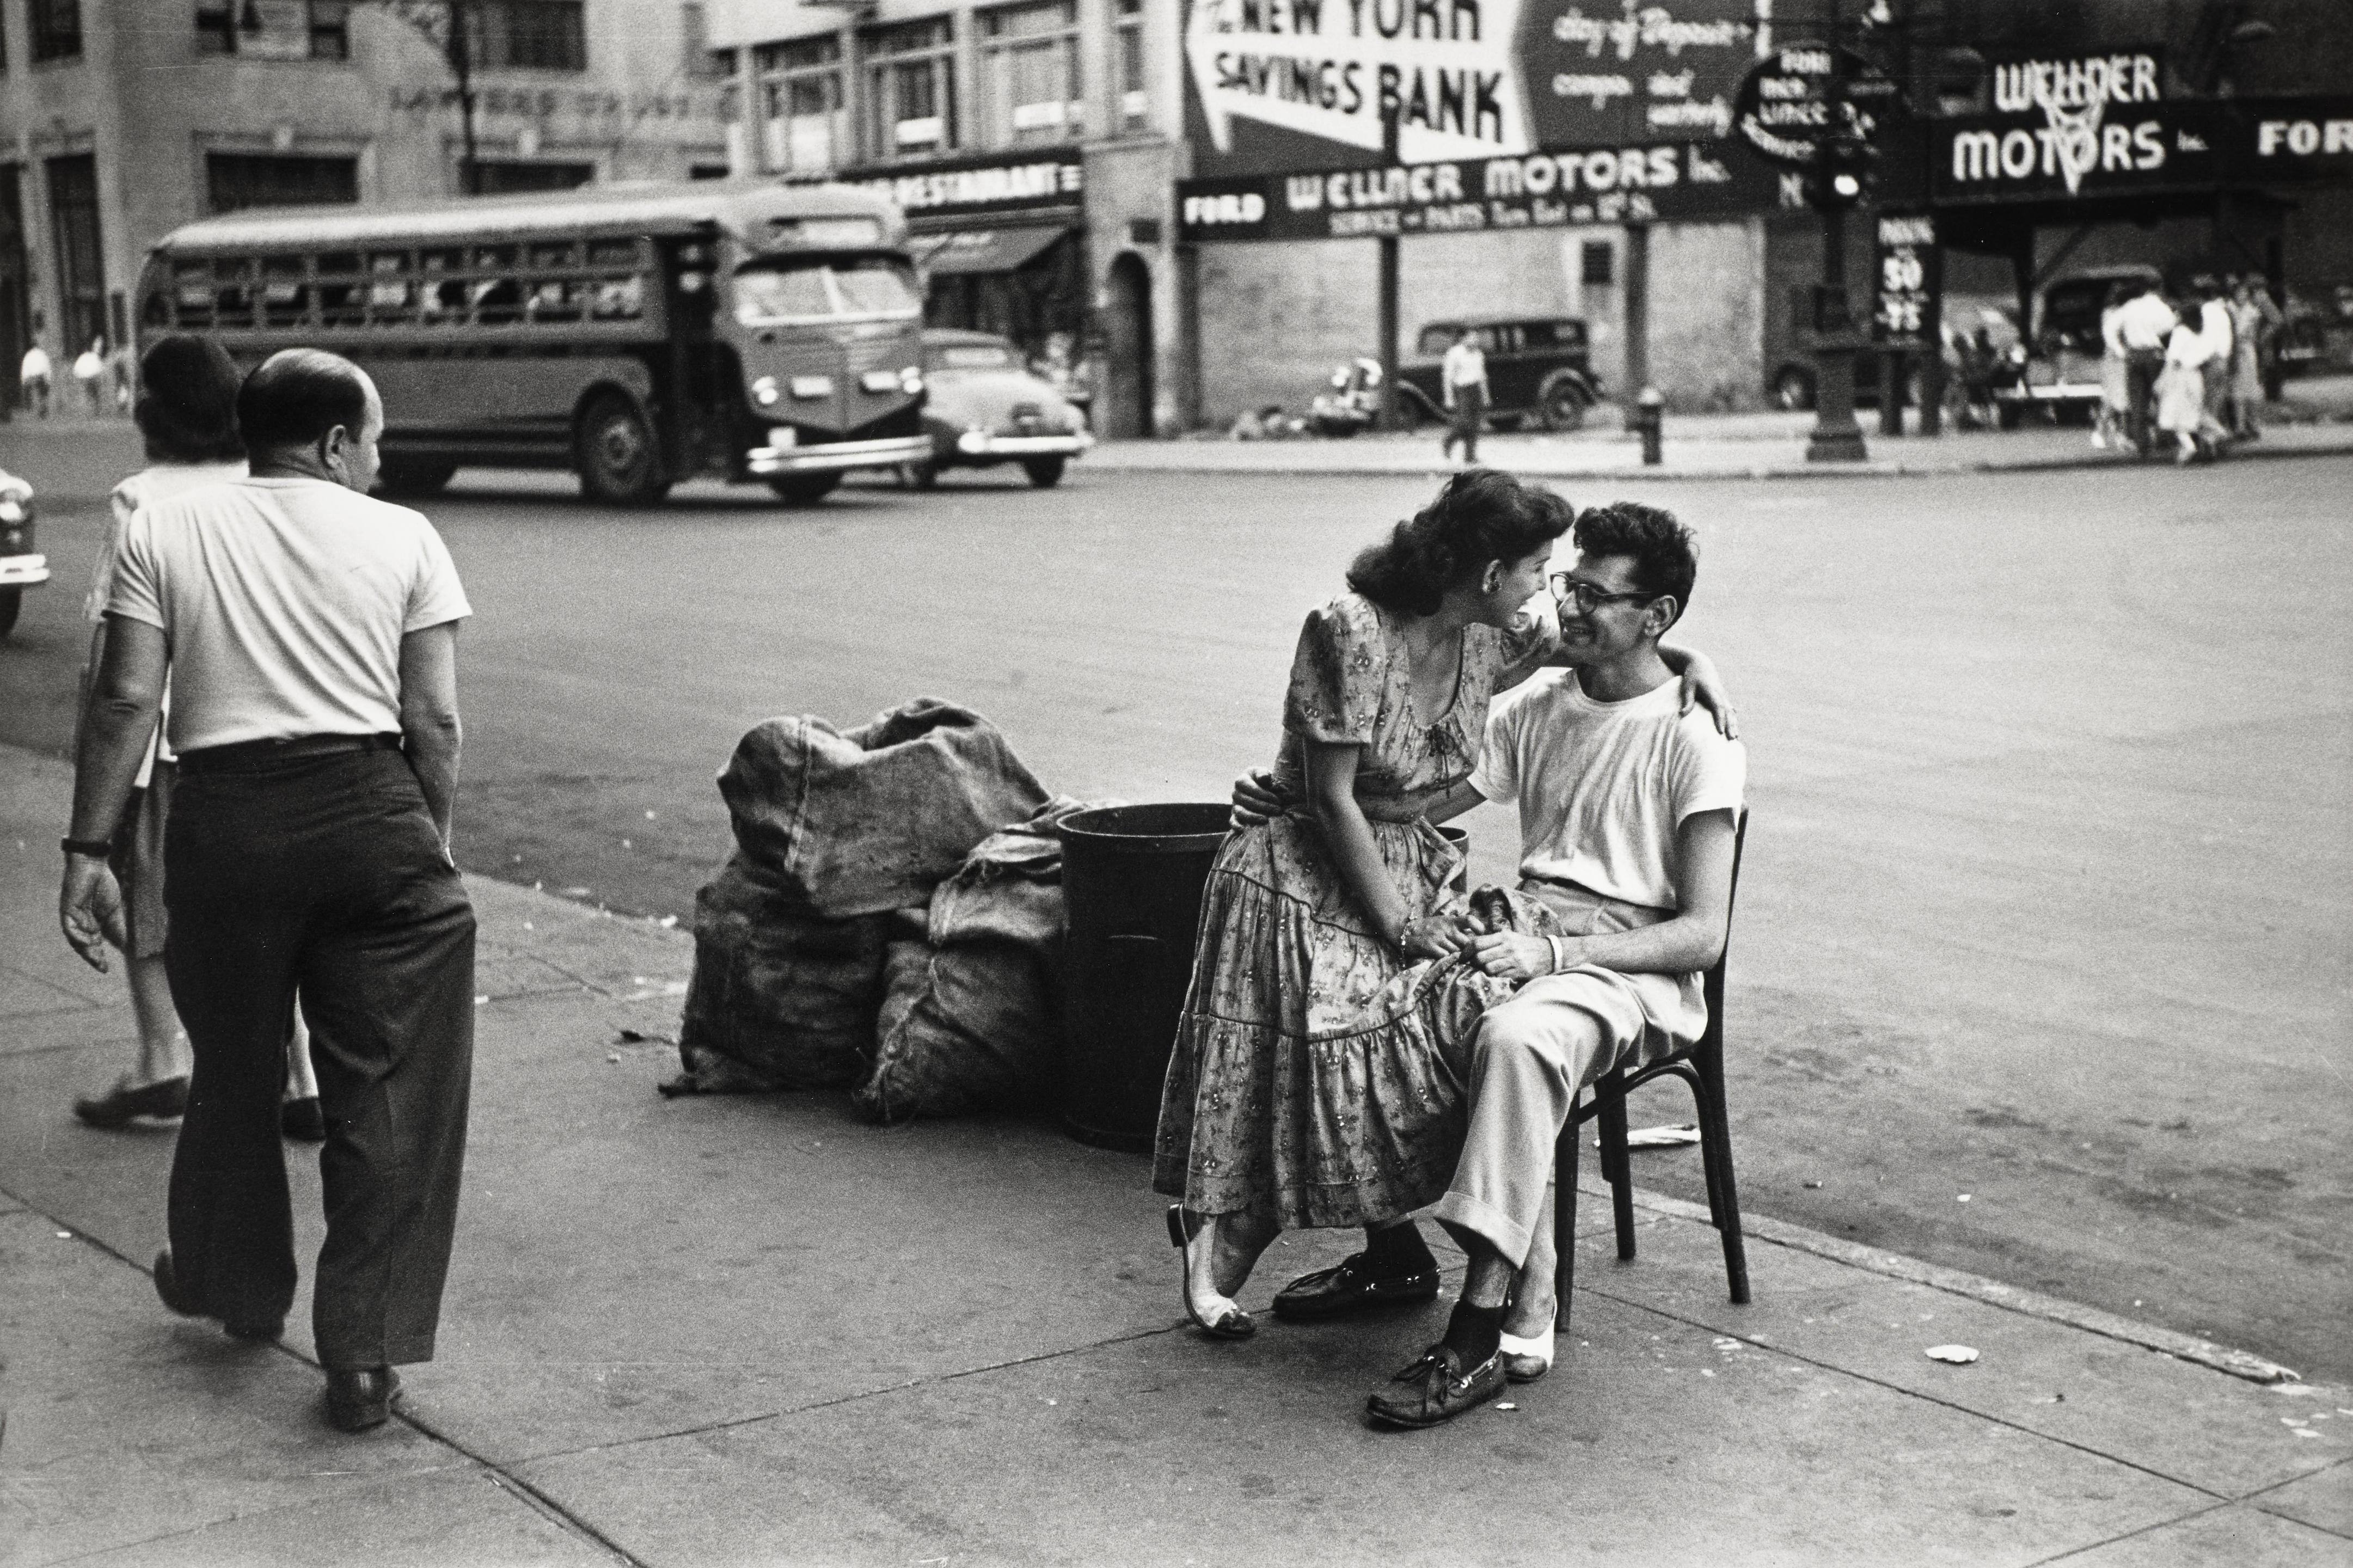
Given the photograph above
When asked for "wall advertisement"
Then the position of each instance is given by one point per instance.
(1540, 189)
(1280, 86)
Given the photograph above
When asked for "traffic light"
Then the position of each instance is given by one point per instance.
(1841, 175)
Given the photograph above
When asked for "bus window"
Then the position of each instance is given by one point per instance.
(285, 296)
(232, 293)
(782, 290)
(877, 286)
(498, 301)
(156, 312)
(343, 299)
(554, 300)
(192, 292)
(619, 299)
(389, 292)
(612, 253)
(550, 256)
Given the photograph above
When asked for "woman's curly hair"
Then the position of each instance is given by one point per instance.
(1480, 515)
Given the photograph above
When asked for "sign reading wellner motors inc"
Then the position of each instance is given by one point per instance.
(1278, 86)
(1540, 189)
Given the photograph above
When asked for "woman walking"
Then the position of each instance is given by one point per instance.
(2181, 391)
(1281, 1109)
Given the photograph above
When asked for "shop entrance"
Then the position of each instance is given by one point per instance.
(1023, 284)
(1126, 401)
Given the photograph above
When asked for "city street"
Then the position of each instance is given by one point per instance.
(2040, 962)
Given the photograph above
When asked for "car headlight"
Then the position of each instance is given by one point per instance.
(12, 510)
(974, 440)
(910, 380)
(764, 391)
(2018, 354)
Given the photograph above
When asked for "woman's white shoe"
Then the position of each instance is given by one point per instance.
(1524, 1361)
(1217, 1315)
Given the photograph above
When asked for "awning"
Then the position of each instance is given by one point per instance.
(983, 249)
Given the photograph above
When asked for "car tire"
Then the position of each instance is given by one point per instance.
(921, 476)
(804, 489)
(616, 455)
(415, 476)
(1561, 406)
(1793, 389)
(1045, 473)
(2009, 416)
(12, 600)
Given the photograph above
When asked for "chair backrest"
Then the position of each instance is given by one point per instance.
(1711, 983)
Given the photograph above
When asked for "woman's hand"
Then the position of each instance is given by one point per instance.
(1434, 936)
(1256, 800)
(1701, 686)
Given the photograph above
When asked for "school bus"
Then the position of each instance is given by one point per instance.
(639, 335)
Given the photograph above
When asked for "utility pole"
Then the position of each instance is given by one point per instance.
(461, 61)
(1836, 438)
(1392, 403)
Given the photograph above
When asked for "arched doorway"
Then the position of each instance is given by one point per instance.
(1126, 397)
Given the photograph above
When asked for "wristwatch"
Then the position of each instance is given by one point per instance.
(96, 848)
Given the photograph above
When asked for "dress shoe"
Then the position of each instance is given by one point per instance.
(1351, 1286)
(302, 1120)
(1526, 1360)
(1436, 1389)
(164, 1097)
(361, 1397)
(167, 1288)
(1220, 1318)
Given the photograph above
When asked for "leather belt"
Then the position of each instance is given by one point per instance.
(258, 757)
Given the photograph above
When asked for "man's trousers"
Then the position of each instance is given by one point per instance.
(323, 874)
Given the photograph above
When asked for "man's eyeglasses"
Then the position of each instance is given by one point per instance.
(1586, 596)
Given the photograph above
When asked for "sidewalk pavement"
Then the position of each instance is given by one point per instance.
(752, 1329)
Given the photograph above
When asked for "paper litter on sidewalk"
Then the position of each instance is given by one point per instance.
(1959, 1355)
(1672, 1136)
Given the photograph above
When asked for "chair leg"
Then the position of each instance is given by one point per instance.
(1563, 1221)
(1617, 1164)
(1715, 1155)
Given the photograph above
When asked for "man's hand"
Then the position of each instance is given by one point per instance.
(1509, 956)
(90, 909)
(1256, 799)
(1436, 935)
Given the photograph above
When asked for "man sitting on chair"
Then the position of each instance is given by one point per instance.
(1627, 811)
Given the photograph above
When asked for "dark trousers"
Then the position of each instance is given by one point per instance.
(2142, 367)
(1469, 417)
(322, 873)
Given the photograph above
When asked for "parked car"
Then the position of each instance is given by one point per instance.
(1538, 376)
(20, 568)
(987, 408)
(2059, 362)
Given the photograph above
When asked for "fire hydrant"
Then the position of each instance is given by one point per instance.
(1650, 410)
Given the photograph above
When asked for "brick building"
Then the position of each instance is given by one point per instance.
(121, 119)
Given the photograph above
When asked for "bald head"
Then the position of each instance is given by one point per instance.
(308, 411)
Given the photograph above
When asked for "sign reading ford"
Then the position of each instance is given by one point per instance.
(1786, 109)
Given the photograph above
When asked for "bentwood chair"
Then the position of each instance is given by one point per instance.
(1702, 1067)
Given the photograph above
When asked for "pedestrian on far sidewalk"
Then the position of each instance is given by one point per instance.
(2181, 392)
(2215, 326)
(1462, 381)
(33, 376)
(2144, 326)
(89, 375)
(311, 633)
(2114, 392)
(2253, 320)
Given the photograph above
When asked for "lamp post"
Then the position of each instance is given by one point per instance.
(1834, 184)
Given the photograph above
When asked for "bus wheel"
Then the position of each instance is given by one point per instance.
(415, 476)
(619, 458)
(804, 489)
(1044, 472)
(11, 600)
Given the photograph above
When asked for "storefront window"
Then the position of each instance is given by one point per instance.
(1030, 74)
(1132, 102)
(804, 128)
(910, 82)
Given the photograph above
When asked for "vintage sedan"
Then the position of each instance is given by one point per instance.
(20, 566)
(987, 407)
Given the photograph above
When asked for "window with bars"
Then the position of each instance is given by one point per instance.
(274, 29)
(1030, 74)
(911, 85)
(531, 35)
(56, 29)
(804, 125)
(1130, 99)
(235, 181)
(80, 259)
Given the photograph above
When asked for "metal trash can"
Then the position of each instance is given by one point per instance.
(1132, 881)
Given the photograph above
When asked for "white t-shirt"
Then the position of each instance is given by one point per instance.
(284, 601)
(1602, 787)
(2144, 321)
(35, 364)
(156, 482)
(1465, 364)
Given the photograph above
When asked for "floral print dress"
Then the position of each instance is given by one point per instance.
(1281, 1099)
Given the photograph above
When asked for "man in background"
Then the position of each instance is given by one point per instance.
(1462, 380)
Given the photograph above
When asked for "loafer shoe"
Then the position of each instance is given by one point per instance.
(1436, 1389)
(1351, 1286)
(361, 1397)
(167, 1288)
(302, 1120)
(162, 1099)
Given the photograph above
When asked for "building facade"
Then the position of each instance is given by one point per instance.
(121, 120)
(1032, 144)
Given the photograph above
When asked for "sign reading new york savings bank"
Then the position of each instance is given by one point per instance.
(1287, 84)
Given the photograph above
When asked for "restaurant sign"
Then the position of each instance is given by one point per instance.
(1277, 86)
(1542, 190)
(975, 187)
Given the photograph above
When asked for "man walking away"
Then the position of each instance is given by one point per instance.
(33, 376)
(311, 633)
(2143, 326)
(1462, 381)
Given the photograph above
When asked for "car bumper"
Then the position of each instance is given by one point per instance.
(23, 571)
(835, 456)
(985, 444)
